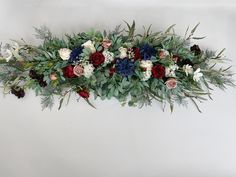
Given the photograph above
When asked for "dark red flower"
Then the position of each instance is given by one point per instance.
(69, 72)
(158, 71)
(33, 74)
(97, 59)
(137, 54)
(42, 83)
(196, 49)
(83, 93)
(176, 58)
(18, 91)
(112, 71)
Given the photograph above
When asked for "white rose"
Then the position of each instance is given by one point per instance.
(146, 64)
(64, 53)
(109, 56)
(188, 69)
(90, 45)
(88, 70)
(197, 75)
(123, 52)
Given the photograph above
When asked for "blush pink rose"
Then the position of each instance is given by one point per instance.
(53, 76)
(106, 43)
(78, 70)
(163, 54)
(171, 83)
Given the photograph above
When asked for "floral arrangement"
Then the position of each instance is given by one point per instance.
(133, 68)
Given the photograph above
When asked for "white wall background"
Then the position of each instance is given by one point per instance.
(112, 141)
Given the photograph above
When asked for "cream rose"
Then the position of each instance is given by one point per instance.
(123, 52)
(147, 64)
(89, 45)
(64, 53)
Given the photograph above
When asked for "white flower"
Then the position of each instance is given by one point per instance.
(88, 70)
(188, 69)
(146, 75)
(89, 45)
(16, 47)
(170, 71)
(64, 53)
(109, 56)
(6, 54)
(147, 64)
(197, 74)
(8, 51)
(123, 52)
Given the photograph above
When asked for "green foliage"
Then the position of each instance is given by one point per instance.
(131, 90)
(43, 33)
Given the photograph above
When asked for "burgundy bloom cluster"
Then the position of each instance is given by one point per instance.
(196, 49)
(38, 77)
(83, 93)
(18, 91)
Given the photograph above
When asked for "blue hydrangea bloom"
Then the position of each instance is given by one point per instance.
(147, 51)
(74, 55)
(125, 67)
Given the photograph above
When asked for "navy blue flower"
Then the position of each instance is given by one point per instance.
(74, 55)
(125, 67)
(147, 51)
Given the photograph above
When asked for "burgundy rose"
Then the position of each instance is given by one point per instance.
(158, 71)
(176, 58)
(196, 49)
(137, 54)
(68, 71)
(97, 59)
(112, 71)
(83, 93)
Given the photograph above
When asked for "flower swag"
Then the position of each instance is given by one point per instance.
(133, 68)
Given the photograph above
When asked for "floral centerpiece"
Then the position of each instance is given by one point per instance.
(133, 68)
